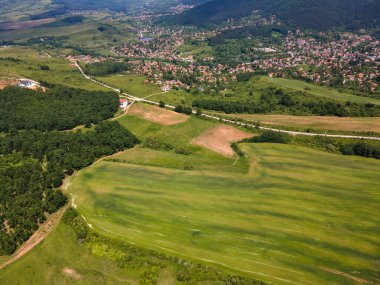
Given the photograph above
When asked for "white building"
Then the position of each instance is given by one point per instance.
(123, 103)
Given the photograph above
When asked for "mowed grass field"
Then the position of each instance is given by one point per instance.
(356, 124)
(285, 214)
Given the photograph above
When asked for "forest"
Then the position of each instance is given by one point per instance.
(105, 68)
(34, 163)
(307, 14)
(274, 100)
(59, 108)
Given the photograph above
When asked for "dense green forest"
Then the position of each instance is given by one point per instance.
(34, 163)
(59, 108)
(274, 100)
(320, 15)
(105, 68)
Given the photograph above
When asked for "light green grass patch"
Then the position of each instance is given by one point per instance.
(317, 90)
(61, 250)
(132, 84)
(61, 71)
(295, 211)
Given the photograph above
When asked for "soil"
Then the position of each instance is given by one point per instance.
(219, 139)
(157, 115)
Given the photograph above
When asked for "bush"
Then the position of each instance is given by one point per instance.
(236, 148)
(183, 109)
(272, 137)
(162, 104)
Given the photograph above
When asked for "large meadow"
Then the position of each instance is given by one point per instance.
(284, 214)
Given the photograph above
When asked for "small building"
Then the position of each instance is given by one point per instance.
(123, 103)
(166, 88)
(25, 84)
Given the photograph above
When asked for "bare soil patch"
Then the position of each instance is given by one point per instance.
(369, 124)
(219, 139)
(5, 83)
(71, 273)
(157, 115)
(26, 24)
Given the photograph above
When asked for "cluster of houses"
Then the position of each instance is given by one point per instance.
(354, 58)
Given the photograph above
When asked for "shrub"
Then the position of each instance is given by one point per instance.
(272, 137)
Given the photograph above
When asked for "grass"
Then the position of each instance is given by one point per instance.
(45, 264)
(132, 84)
(276, 215)
(61, 72)
(316, 90)
(236, 221)
(355, 124)
(199, 50)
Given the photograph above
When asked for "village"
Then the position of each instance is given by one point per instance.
(348, 60)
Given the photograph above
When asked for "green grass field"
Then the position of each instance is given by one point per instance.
(132, 84)
(316, 90)
(61, 72)
(61, 250)
(286, 214)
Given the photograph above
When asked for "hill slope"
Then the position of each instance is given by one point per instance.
(321, 15)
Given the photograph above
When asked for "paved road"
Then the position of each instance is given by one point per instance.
(138, 99)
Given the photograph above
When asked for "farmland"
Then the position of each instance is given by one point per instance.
(28, 64)
(230, 212)
(369, 124)
(132, 84)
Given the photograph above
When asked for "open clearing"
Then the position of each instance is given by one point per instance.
(157, 115)
(27, 24)
(219, 139)
(131, 84)
(282, 214)
(281, 223)
(317, 90)
(62, 259)
(370, 124)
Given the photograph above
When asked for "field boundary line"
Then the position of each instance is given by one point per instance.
(359, 280)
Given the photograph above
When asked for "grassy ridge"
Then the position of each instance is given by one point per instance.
(277, 215)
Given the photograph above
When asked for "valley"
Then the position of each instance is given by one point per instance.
(189, 142)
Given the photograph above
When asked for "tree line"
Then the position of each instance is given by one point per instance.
(34, 163)
(59, 108)
(274, 100)
(370, 149)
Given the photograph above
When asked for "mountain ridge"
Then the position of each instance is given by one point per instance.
(308, 14)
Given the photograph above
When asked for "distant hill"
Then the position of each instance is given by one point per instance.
(312, 14)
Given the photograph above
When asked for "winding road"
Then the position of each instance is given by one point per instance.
(294, 133)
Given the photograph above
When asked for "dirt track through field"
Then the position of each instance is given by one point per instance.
(219, 139)
(37, 237)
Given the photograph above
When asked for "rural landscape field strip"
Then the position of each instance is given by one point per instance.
(366, 124)
(138, 99)
(257, 219)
